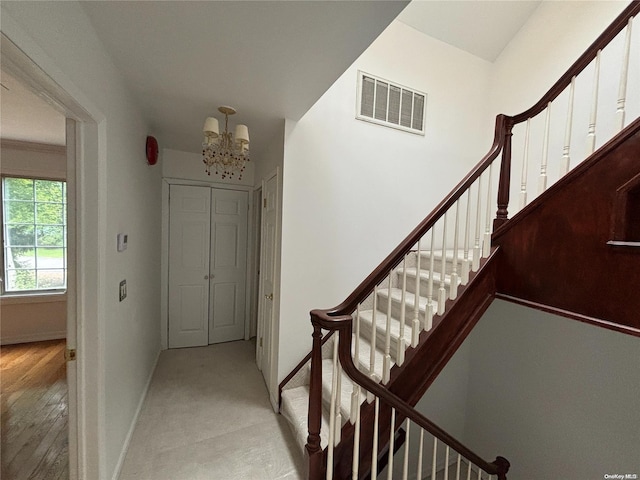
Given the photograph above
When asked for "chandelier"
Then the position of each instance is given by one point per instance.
(224, 153)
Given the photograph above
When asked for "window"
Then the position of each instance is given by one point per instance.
(389, 104)
(34, 217)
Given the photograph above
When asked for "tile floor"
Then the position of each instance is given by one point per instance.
(207, 416)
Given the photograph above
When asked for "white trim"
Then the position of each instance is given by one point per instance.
(271, 377)
(34, 337)
(200, 183)
(249, 267)
(164, 268)
(134, 421)
(33, 146)
(33, 298)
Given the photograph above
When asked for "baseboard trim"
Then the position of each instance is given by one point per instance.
(616, 327)
(34, 337)
(134, 421)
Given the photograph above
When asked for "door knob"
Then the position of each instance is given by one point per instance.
(269, 297)
(206, 277)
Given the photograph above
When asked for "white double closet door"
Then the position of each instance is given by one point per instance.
(207, 265)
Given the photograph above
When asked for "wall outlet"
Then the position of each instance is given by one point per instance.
(123, 290)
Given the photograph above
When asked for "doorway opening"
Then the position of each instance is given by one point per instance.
(75, 299)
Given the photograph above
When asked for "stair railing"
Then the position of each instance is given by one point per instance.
(464, 214)
(582, 100)
(463, 221)
(427, 448)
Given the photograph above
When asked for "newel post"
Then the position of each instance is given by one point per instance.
(502, 215)
(314, 450)
(503, 467)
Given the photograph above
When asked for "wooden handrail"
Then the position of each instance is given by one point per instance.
(602, 41)
(342, 324)
(395, 257)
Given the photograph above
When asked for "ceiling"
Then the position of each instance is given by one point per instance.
(480, 27)
(26, 116)
(270, 60)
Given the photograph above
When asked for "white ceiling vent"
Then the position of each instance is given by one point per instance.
(390, 104)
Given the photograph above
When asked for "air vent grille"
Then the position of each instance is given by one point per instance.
(390, 104)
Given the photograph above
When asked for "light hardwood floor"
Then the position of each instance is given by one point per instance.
(33, 397)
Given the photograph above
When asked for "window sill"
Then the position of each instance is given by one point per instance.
(15, 299)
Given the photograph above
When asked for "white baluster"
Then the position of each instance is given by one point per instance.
(338, 430)
(446, 463)
(458, 468)
(622, 88)
(374, 448)
(469, 471)
(591, 135)
(405, 462)
(435, 458)
(430, 309)
(420, 454)
(477, 248)
(479, 473)
(372, 353)
(453, 289)
(355, 393)
(566, 157)
(355, 464)
(442, 293)
(401, 341)
(525, 167)
(542, 181)
(332, 410)
(386, 365)
(466, 264)
(486, 247)
(392, 438)
(415, 326)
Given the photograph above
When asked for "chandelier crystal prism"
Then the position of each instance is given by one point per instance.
(223, 153)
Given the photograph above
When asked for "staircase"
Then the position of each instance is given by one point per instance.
(402, 324)
(385, 344)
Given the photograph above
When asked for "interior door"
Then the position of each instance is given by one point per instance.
(228, 274)
(189, 250)
(266, 342)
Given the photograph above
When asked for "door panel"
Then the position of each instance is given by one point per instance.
(189, 240)
(229, 225)
(267, 278)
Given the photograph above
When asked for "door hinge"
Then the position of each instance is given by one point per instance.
(70, 354)
(264, 203)
(261, 341)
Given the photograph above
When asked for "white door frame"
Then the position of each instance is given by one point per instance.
(271, 376)
(254, 261)
(86, 181)
(164, 262)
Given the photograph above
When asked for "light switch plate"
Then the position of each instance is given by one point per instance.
(123, 239)
(123, 290)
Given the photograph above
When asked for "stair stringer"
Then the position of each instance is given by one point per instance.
(557, 252)
(422, 365)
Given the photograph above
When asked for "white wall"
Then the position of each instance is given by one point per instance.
(556, 397)
(189, 166)
(445, 404)
(42, 317)
(61, 39)
(352, 189)
(542, 51)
